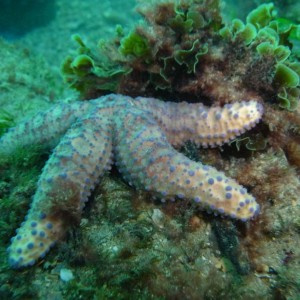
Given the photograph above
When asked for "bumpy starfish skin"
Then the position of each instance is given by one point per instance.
(137, 135)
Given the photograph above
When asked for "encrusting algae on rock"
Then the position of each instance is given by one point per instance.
(136, 134)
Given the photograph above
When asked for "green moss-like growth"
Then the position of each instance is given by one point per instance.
(134, 44)
(256, 143)
(274, 42)
(184, 49)
(285, 76)
(239, 32)
(82, 65)
(90, 75)
(289, 98)
(261, 16)
(152, 57)
(180, 24)
(6, 121)
(191, 56)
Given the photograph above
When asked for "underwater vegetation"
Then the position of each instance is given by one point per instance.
(128, 246)
(254, 59)
(288, 8)
(199, 59)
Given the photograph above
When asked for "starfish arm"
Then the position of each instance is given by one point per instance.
(45, 128)
(70, 174)
(148, 161)
(204, 126)
(138, 132)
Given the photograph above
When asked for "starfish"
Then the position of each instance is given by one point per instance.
(137, 135)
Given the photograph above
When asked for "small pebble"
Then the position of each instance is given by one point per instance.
(66, 275)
